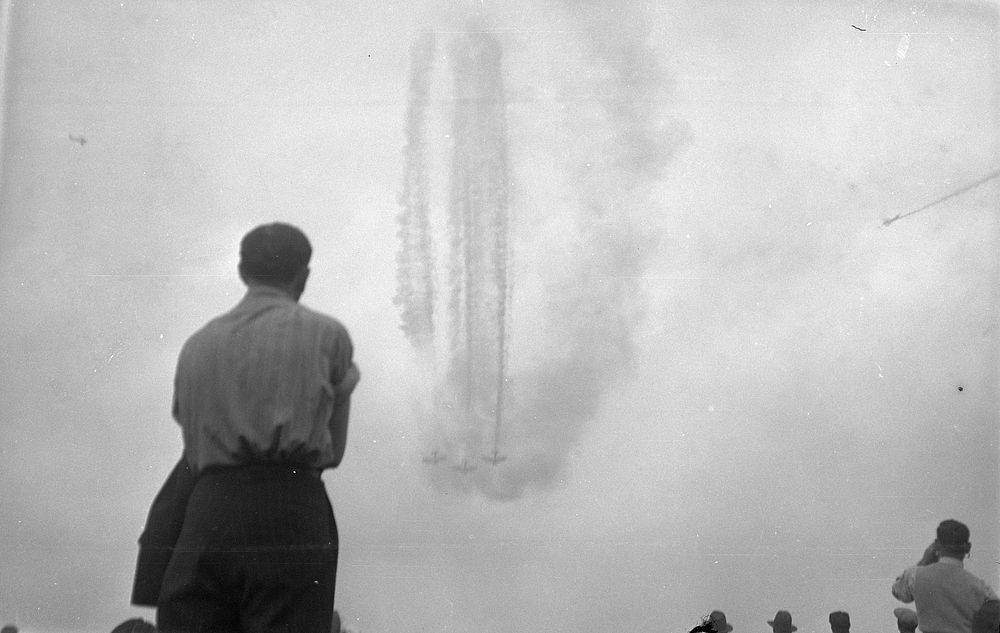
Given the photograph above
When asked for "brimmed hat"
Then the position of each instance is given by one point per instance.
(840, 620)
(782, 623)
(135, 625)
(718, 621)
(906, 616)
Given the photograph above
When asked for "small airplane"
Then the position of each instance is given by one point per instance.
(972, 185)
(435, 457)
(465, 466)
(495, 458)
(892, 219)
(78, 139)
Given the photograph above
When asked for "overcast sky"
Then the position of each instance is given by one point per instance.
(746, 393)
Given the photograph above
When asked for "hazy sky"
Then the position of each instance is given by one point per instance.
(746, 393)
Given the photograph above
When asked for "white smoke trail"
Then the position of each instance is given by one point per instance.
(415, 260)
(477, 224)
(594, 302)
(590, 304)
(4, 53)
(467, 397)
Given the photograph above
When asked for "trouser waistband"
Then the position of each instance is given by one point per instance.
(261, 470)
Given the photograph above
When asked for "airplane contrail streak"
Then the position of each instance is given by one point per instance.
(970, 186)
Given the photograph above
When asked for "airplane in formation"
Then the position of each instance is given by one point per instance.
(434, 457)
(464, 467)
(495, 458)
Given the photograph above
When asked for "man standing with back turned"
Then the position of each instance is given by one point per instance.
(262, 395)
(946, 595)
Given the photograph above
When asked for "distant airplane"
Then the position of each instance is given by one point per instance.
(465, 466)
(435, 457)
(972, 185)
(892, 219)
(78, 139)
(495, 458)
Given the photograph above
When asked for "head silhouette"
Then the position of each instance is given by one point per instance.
(276, 255)
(952, 539)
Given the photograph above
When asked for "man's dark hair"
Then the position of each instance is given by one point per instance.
(840, 621)
(953, 536)
(274, 253)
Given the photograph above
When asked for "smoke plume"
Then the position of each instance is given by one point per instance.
(415, 260)
(576, 342)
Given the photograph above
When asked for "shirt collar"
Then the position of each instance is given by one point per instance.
(951, 561)
(261, 292)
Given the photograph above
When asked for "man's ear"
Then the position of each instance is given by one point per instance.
(300, 280)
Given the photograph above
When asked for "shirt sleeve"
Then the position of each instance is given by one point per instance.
(902, 589)
(348, 381)
(990, 594)
(342, 360)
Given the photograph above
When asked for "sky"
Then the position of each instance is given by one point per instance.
(733, 386)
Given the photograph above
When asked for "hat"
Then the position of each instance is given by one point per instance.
(134, 625)
(274, 252)
(782, 622)
(906, 616)
(718, 621)
(840, 620)
(953, 534)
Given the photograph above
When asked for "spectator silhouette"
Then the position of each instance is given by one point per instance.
(840, 622)
(946, 596)
(704, 627)
(782, 623)
(906, 619)
(134, 625)
(718, 621)
(262, 396)
(987, 618)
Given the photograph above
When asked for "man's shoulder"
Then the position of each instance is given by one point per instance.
(321, 319)
(221, 327)
(946, 572)
(210, 328)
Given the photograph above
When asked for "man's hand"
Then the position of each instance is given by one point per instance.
(348, 382)
(342, 411)
(930, 555)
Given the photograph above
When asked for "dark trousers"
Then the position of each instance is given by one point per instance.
(163, 527)
(257, 554)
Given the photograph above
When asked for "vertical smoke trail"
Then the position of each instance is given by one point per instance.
(501, 254)
(4, 52)
(594, 300)
(477, 225)
(415, 260)
(468, 396)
